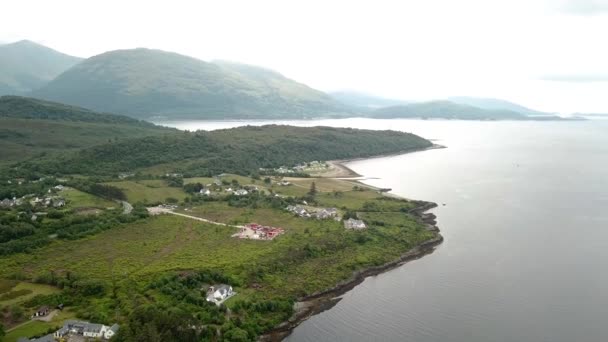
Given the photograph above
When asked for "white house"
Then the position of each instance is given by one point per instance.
(354, 224)
(86, 329)
(241, 192)
(219, 293)
(205, 192)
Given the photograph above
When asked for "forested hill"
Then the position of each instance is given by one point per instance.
(146, 83)
(238, 150)
(30, 127)
(31, 108)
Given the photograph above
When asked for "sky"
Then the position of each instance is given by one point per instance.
(549, 55)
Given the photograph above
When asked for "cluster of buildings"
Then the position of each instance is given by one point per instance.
(206, 191)
(11, 202)
(321, 214)
(81, 329)
(354, 224)
(300, 168)
(48, 201)
(219, 293)
(259, 232)
(44, 201)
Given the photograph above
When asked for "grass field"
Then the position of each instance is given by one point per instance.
(149, 191)
(78, 199)
(164, 243)
(32, 290)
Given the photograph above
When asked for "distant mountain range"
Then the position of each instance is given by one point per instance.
(364, 101)
(446, 110)
(25, 66)
(459, 108)
(145, 84)
(494, 104)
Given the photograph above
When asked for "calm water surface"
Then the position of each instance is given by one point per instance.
(525, 223)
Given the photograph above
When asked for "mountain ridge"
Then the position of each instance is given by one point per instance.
(26, 65)
(145, 83)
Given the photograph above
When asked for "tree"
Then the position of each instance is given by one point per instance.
(2, 332)
(267, 181)
(313, 189)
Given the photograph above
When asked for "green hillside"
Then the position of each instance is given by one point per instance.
(29, 127)
(237, 150)
(145, 83)
(25, 66)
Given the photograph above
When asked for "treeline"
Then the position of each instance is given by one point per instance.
(240, 150)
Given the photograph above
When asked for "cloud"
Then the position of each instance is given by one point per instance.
(585, 7)
(576, 78)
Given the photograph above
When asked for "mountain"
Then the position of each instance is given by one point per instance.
(445, 110)
(144, 83)
(362, 100)
(29, 127)
(494, 104)
(25, 66)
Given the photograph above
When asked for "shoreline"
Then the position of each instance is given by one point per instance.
(321, 301)
(346, 172)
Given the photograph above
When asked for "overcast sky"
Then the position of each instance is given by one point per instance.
(551, 55)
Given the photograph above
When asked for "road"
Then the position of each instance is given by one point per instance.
(159, 210)
(127, 207)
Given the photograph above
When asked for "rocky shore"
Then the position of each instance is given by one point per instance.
(325, 300)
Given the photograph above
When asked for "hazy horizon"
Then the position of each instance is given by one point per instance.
(545, 55)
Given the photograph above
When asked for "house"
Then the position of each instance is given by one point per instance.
(326, 213)
(298, 210)
(219, 293)
(217, 182)
(59, 187)
(58, 202)
(42, 311)
(205, 192)
(241, 192)
(86, 329)
(6, 203)
(354, 224)
(284, 183)
(94, 330)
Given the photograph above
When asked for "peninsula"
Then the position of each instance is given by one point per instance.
(224, 235)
